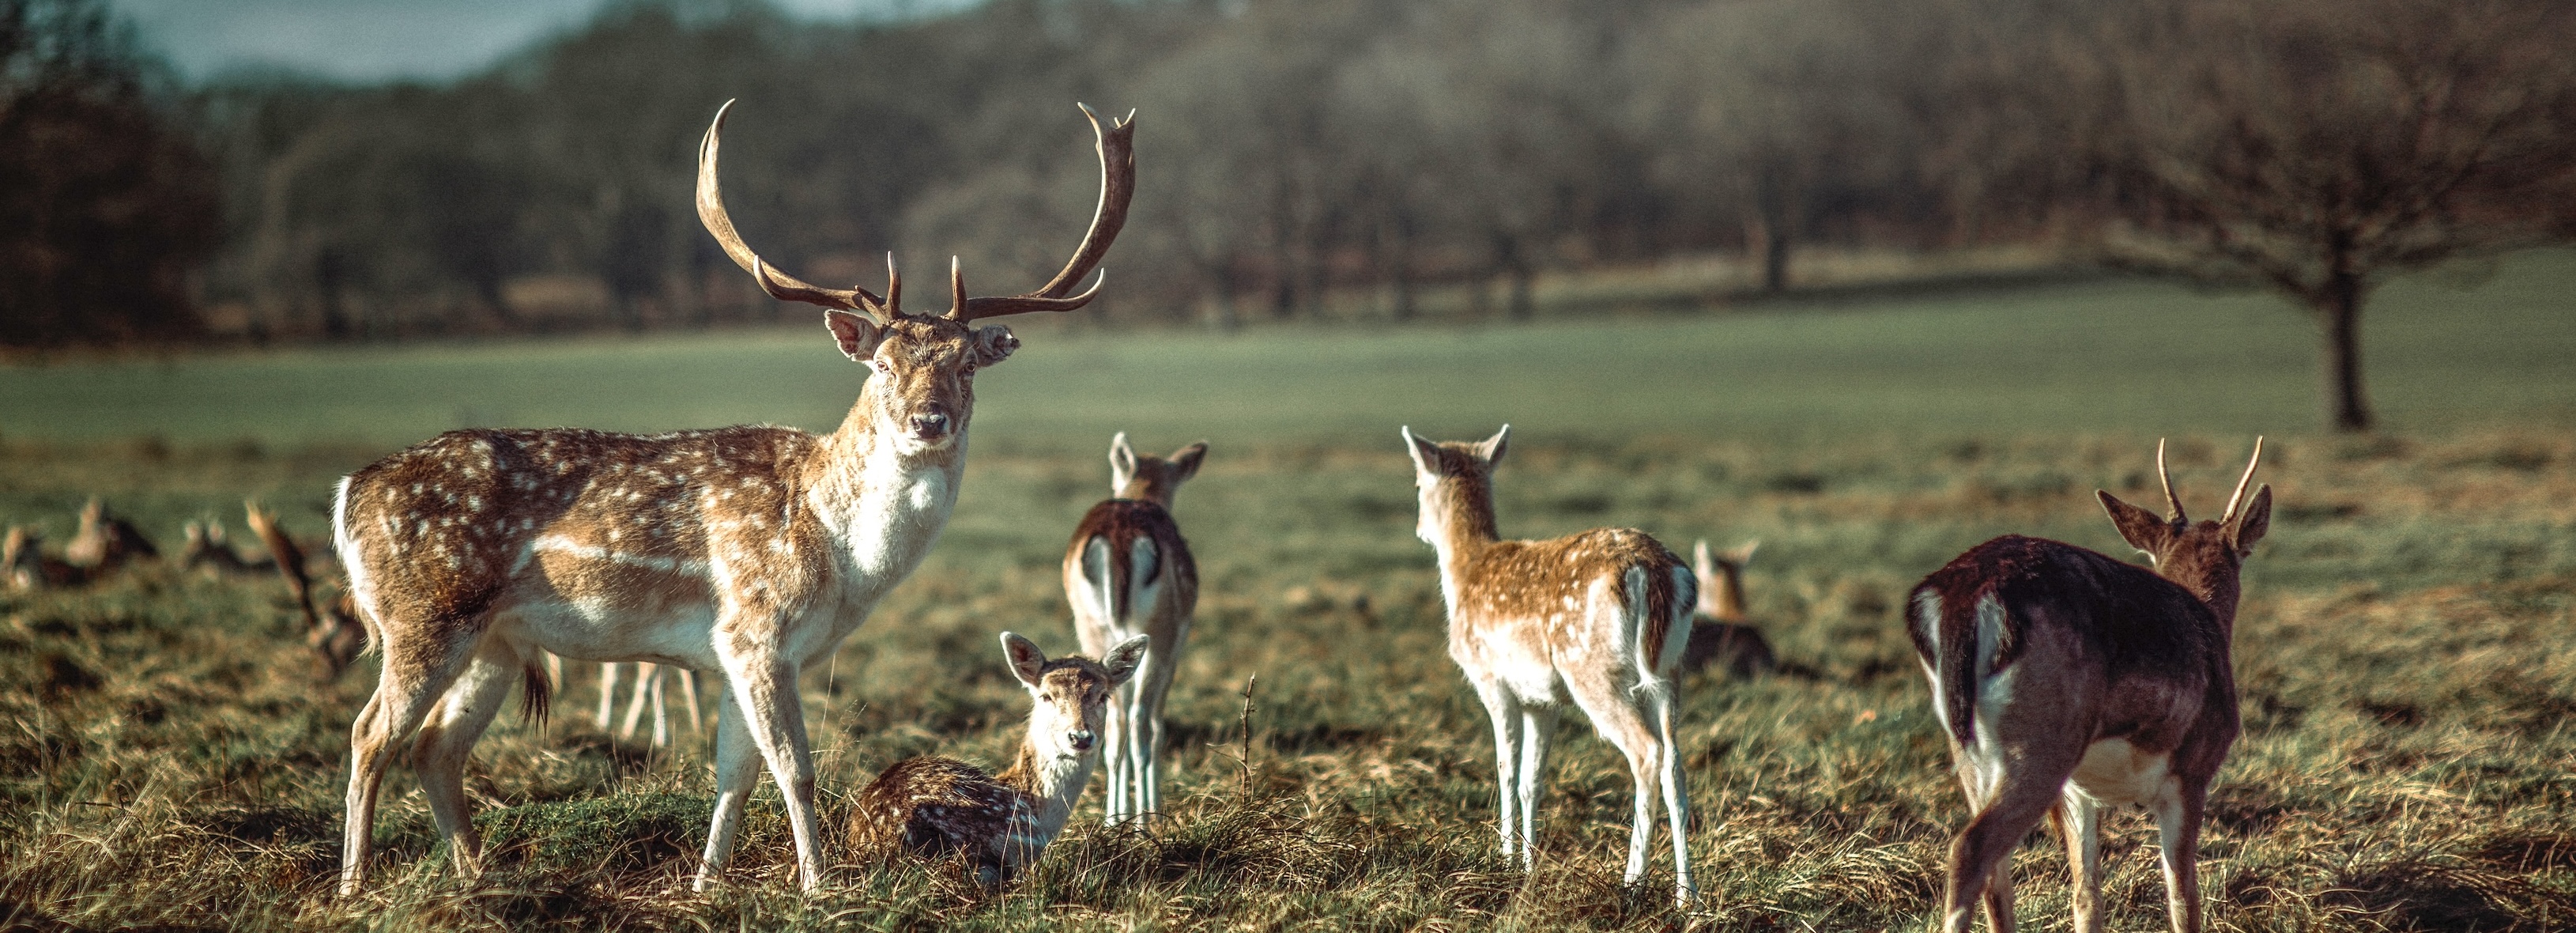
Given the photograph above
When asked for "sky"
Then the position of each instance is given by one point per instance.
(377, 40)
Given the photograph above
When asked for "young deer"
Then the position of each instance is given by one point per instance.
(929, 807)
(1728, 636)
(2068, 680)
(106, 542)
(1128, 572)
(1601, 616)
(745, 552)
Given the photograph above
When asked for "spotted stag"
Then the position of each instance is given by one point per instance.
(744, 552)
(2068, 680)
(1128, 572)
(1600, 616)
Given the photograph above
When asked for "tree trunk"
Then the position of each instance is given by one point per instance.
(1775, 260)
(2339, 311)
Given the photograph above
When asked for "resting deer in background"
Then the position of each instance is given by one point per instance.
(1128, 572)
(1727, 637)
(746, 552)
(332, 630)
(106, 542)
(1600, 616)
(929, 807)
(2068, 680)
(24, 565)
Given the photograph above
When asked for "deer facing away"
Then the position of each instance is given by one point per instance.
(1600, 617)
(931, 807)
(2067, 680)
(1128, 572)
(744, 552)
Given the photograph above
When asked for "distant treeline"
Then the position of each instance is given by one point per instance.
(1288, 150)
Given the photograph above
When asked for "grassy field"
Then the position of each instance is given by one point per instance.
(2407, 650)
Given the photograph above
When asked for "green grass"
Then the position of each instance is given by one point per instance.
(2407, 651)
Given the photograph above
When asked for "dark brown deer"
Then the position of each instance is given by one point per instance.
(1600, 617)
(1723, 633)
(744, 552)
(207, 548)
(2068, 681)
(932, 807)
(1128, 572)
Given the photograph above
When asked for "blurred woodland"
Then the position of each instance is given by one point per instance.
(1292, 150)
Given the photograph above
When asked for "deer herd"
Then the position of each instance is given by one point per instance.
(2064, 680)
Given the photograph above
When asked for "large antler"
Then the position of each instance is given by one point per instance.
(1117, 187)
(2238, 497)
(2174, 501)
(779, 285)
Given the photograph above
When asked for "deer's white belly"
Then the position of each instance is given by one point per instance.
(2114, 771)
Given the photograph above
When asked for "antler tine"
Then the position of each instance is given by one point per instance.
(2166, 477)
(2238, 497)
(779, 285)
(894, 286)
(1116, 145)
(957, 290)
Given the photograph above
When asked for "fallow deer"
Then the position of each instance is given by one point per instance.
(332, 630)
(932, 807)
(650, 679)
(1724, 633)
(207, 548)
(1129, 572)
(24, 565)
(2067, 680)
(106, 542)
(1599, 616)
(745, 552)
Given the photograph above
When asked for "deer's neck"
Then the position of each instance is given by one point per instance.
(1051, 783)
(879, 495)
(2220, 591)
(1463, 510)
(1724, 598)
(1141, 490)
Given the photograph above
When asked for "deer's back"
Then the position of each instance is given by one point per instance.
(1524, 603)
(930, 807)
(1168, 572)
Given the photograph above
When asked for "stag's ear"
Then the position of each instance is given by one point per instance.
(1185, 461)
(2249, 524)
(1426, 454)
(1027, 662)
(993, 344)
(1124, 659)
(857, 335)
(1122, 462)
(1492, 447)
(1701, 562)
(2141, 528)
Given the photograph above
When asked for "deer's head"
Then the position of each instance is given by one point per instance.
(1144, 476)
(2206, 557)
(1456, 482)
(923, 365)
(1070, 695)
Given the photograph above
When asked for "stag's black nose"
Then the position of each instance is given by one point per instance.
(1082, 740)
(930, 425)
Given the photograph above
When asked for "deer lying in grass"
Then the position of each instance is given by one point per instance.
(2067, 680)
(106, 542)
(1723, 634)
(331, 630)
(1600, 616)
(932, 807)
(207, 548)
(1128, 572)
(744, 552)
(25, 566)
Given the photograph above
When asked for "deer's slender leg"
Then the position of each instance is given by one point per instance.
(2178, 816)
(1676, 790)
(1979, 858)
(737, 768)
(1505, 710)
(608, 694)
(647, 676)
(1121, 777)
(1538, 728)
(441, 747)
(409, 685)
(2079, 820)
(689, 693)
(765, 687)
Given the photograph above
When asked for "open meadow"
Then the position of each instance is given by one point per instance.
(2406, 651)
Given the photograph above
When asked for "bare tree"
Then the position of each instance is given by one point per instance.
(2315, 150)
